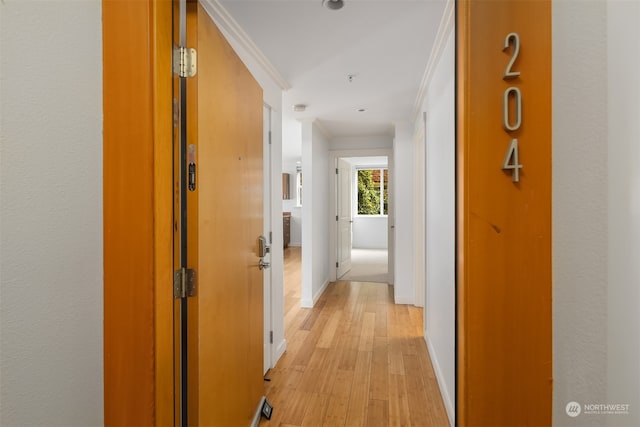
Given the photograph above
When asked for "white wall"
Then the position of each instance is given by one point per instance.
(315, 229)
(580, 224)
(361, 142)
(596, 208)
(369, 232)
(401, 183)
(292, 153)
(51, 210)
(290, 206)
(623, 345)
(440, 264)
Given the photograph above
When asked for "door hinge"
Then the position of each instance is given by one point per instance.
(336, 171)
(336, 217)
(270, 337)
(336, 265)
(269, 137)
(185, 61)
(185, 282)
(270, 237)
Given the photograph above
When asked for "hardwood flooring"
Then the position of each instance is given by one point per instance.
(356, 358)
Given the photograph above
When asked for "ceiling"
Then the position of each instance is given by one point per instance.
(383, 44)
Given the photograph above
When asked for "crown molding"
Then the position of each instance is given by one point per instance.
(420, 129)
(318, 125)
(444, 29)
(322, 128)
(223, 18)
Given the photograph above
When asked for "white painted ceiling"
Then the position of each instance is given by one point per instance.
(369, 161)
(385, 44)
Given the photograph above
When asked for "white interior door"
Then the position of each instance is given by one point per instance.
(344, 214)
(268, 354)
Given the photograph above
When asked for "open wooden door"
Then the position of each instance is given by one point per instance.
(221, 368)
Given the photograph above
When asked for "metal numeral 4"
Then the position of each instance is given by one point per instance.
(511, 161)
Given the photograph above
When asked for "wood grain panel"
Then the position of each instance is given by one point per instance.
(504, 228)
(163, 215)
(129, 212)
(229, 347)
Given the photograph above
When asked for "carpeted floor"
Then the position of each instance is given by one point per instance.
(367, 265)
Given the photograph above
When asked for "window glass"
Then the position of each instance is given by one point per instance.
(372, 191)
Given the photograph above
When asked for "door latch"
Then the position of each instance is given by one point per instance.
(262, 264)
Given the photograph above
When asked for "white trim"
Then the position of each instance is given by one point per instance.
(404, 299)
(382, 188)
(322, 128)
(221, 16)
(279, 351)
(445, 27)
(420, 128)
(316, 297)
(258, 414)
(446, 398)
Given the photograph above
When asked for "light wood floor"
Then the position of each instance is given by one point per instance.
(354, 359)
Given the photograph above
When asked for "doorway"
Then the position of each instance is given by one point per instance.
(362, 199)
(362, 234)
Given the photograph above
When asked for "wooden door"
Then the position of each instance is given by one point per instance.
(504, 213)
(225, 219)
(345, 217)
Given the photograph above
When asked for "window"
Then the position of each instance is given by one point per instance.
(373, 191)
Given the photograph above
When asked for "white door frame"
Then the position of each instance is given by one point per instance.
(267, 232)
(343, 263)
(333, 228)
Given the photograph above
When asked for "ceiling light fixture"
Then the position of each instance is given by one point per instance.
(333, 4)
(299, 108)
(361, 110)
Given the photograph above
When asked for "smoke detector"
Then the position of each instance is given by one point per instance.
(333, 4)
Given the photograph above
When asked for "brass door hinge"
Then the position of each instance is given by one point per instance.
(185, 283)
(185, 61)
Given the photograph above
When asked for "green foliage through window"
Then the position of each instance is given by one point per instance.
(372, 189)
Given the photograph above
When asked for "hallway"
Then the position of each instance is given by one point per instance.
(369, 265)
(354, 359)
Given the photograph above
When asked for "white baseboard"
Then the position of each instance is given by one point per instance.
(305, 303)
(258, 414)
(444, 392)
(403, 299)
(280, 349)
(318, 294)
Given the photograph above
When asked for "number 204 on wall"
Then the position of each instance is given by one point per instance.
(512, 95)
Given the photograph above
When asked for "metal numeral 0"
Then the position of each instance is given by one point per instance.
(517, 99)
